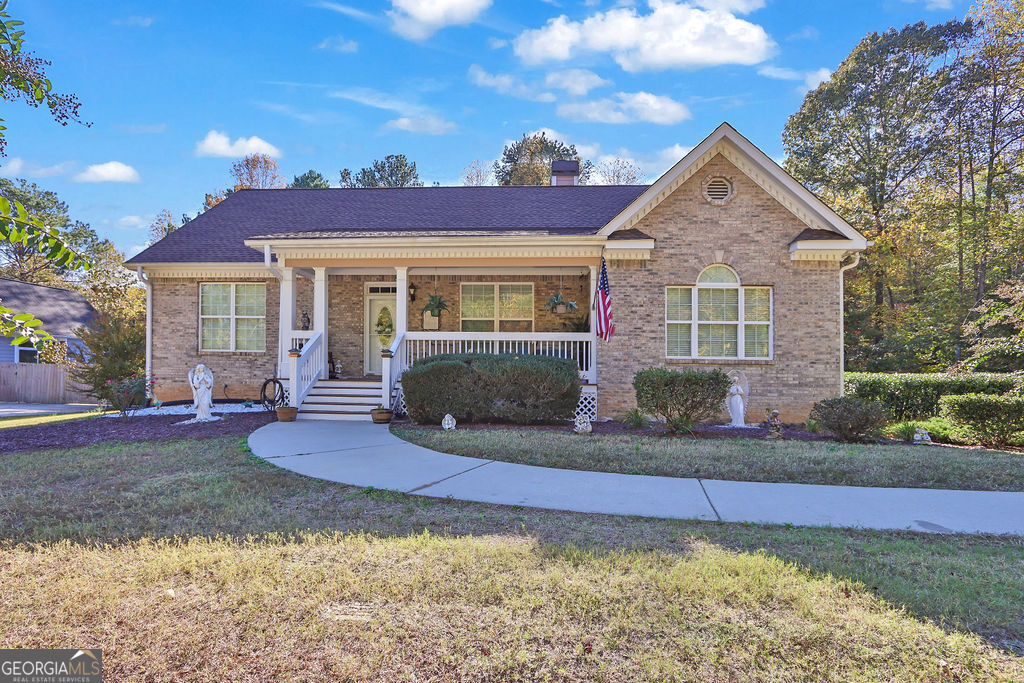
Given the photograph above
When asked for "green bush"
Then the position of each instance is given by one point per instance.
(491, 388)
(916, 396)
(635, 418)
(681, 399)
(938, 428)
(989, 420)
(849, 418)
(115, 348)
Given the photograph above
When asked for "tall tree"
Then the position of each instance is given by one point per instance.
(619, 171)
(257, 172)
(394, 171)
(163, 225)
(310, 180)
(476, 174)
(528, 161)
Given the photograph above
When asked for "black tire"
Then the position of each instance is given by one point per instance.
(272, 394)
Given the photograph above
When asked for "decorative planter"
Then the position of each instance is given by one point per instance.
(561, 308)
(287, 414)
(430, 322)
(381, 416)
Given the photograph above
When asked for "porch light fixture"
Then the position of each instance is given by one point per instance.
(412, 291)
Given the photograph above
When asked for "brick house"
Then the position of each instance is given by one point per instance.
(724, 262)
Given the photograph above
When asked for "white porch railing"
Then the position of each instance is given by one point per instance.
(305, 368)
(297, 339)
(393, 364)
(576, 346)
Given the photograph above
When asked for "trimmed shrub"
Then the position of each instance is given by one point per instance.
(849, 418)
(916, 396)
(681, 399)
(990, 420)
(938, 428)
(491, 388)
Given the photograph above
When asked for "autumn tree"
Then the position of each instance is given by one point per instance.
(257, 172)
(393, 171)
(313, 180)
(476, 174)
(161, 226)
(619, 171)
(528, 161)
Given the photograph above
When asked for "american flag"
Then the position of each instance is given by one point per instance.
(605, 326)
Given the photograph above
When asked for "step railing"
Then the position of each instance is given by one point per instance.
(306, 366)
(393, 364)
(297, 339)
(575, 346)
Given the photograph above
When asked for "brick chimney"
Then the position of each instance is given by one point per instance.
(565, 173)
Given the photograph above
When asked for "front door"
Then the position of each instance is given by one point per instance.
(379, 329)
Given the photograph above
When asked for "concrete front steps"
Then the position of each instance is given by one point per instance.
(340, 399)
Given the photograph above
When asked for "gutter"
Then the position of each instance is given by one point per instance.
(842, 320)
(149, 327)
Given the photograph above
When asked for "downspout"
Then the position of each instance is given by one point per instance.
(269, 264)
(149, 329)
(842, 319)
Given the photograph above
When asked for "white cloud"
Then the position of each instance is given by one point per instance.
(811, 79)
(144, 22)
(507, 84)
(935, 4)
(576, 82)
(132, 222)
(806, 33)
(110, 172)
(627, 108)
(338, 44)
(420, 19)
(427, 124)
(351, 12)
(217, 144)
(497, 43)
(737, 6)
(18, 167)
(666, 158)
(414, 118)
(673, 35)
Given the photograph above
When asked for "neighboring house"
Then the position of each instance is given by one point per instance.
(62, 312)
(725, 262)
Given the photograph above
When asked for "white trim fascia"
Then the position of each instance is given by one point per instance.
(454, 251)
(190, 270)
(756, 165)
(406, 241)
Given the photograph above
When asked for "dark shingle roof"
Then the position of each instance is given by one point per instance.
(218, 234)
(61, 310)
(631, 234)
(817, 234)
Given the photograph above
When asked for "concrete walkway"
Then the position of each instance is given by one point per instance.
(365, 454)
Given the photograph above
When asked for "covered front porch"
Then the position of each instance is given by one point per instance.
(365, 326)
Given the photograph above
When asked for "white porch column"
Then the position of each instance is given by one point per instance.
(320, 311)
(401, 299)
(592, 372)
(286, 319)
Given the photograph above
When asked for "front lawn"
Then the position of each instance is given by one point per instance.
(187, 559)
(816, 462)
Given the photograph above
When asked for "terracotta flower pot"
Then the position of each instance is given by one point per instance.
(381, 416)
(287, 414)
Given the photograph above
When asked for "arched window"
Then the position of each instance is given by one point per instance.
(718, 318)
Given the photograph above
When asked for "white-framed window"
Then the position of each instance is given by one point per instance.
(25, 352)
(719, 318)
(232, 316)
(496, 307)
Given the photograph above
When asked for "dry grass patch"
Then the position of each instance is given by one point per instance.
(800, 462)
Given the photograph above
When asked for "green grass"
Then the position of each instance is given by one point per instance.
(816, 462)
(18, 421)
(273, 575)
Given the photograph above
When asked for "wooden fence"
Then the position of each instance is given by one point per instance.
(39, 383)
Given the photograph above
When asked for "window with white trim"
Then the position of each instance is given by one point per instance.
(497, 307)
(232, 316)
(26, 352)
(718, 318)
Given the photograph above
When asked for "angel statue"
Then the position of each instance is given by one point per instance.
(201, 381)
(736, 402)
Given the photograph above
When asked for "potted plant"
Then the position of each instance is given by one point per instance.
(286, 413)
(381, 415)
(556, 304)
(432, 311)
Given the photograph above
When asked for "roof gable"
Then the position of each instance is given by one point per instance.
(757, 166)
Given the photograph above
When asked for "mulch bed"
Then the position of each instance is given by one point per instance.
(700, 432)
(75, 433)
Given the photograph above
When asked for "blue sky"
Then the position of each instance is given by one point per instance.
(176, 91)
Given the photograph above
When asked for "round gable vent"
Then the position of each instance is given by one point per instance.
(718, 190)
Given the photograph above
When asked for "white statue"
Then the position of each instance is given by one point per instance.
(201, 380)
(736, 401)
(582, 425)
(448, 423)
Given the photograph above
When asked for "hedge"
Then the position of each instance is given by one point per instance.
(479, 387)
(681, 399)
(990, 420)
(916, 396)
(850, 418)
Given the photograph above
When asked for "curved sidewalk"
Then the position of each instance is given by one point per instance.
(365, 454)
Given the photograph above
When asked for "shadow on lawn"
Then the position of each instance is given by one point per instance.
(114, 493)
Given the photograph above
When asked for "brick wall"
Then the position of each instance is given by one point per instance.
(751, 233)
(176, 343)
